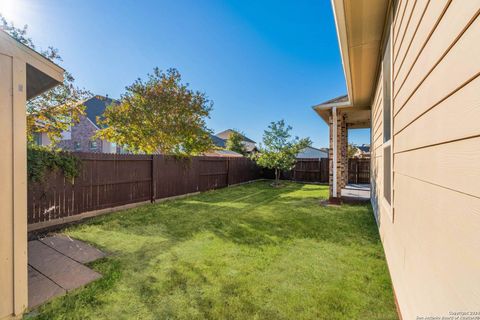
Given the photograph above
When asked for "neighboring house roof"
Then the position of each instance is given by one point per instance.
(223, 153)
(95, 107)
(311, 152)
(219, 142)
(226, 134)
(365, 148)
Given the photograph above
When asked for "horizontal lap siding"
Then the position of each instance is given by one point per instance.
(439, 246)
(459, 66)
(403, 64)
(376, 170)
(442, 122)
(432, 246)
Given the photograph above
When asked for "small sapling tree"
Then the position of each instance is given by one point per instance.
(279, 150)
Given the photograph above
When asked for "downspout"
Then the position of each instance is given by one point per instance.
(334, 140)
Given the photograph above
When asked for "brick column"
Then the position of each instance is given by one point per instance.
(341, 164)
(344, 150)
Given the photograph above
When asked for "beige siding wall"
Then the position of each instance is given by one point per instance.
(13, 186)
(433, 243)
(6, 205)
(377, 147)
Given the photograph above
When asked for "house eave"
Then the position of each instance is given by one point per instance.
(360, 26)
(356, 117)
(42, 74)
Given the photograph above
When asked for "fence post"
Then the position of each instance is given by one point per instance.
(357, 167)
(295, 170)
(153, 188)
(228, 172)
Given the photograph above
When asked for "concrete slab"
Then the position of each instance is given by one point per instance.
(64, 271)
(75, 249)
(358, 186)
(356, 193)
(41, 289)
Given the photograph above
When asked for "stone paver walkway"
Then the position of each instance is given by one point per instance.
(55, 266)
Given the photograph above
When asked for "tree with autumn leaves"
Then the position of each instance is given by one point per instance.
(159, 115)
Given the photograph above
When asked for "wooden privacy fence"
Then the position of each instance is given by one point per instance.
(111, 180)
(309, 170)
(358, 170)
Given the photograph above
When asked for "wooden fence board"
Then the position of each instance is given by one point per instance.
(358, 170)
(111, 180)
(309, 170)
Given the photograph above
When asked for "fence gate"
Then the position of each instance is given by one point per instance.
(358, 170)
(309, 170)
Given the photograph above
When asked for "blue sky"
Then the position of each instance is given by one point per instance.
(259, 61)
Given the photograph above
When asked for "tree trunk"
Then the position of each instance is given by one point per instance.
(277, 177)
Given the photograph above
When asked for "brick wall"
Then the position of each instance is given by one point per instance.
(342, 159)
(81, 137)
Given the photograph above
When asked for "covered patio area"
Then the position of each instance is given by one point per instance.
(360, 43)
(341, 115)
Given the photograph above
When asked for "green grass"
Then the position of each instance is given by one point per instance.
(246, 252)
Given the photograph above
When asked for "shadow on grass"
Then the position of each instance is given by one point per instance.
(153, 249)
(252, 215)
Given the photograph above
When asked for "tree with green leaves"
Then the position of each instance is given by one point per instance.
(351, 150)
(56, 110)
(235, 142)
(279, 150)
(160, 115)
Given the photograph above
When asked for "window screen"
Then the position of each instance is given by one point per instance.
(387, 92)
(387, 126)
(387, 174)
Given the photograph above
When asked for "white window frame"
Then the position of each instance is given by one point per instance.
(388, 207)
(93, 145)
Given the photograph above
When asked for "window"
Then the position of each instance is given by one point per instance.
(76, 146)
(37, 138)
(93, 145)
(387, 120)
(387, 174)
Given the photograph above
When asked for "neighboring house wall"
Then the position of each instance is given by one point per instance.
(431, 232)
(41, 138)
(249, 146)
(81, 138)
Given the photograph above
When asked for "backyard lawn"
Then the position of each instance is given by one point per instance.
(245, 252)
